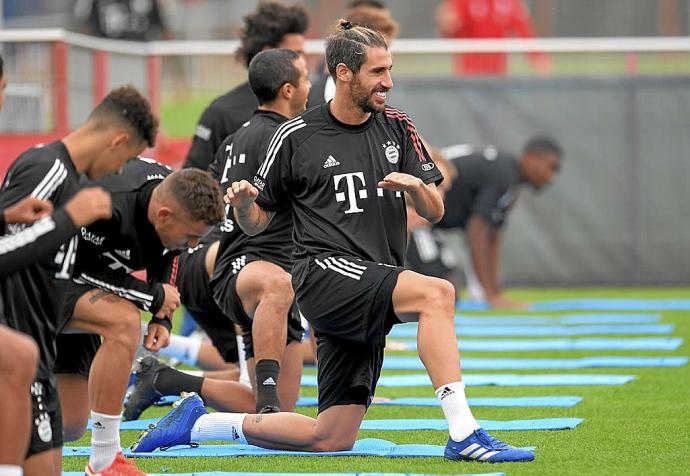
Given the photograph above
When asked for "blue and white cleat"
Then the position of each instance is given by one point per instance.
(480, 446)
(175, 428)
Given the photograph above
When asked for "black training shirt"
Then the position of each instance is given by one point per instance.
(327, 173)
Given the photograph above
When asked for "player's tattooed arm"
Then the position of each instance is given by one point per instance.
(428, 202)
(249, 216)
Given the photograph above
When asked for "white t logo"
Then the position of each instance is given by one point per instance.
(351, 196)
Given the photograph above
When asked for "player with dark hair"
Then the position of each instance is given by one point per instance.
(345, 171)
(120, 127)
(155, 214)
(250, 280)
(272, 25)
(478, 202)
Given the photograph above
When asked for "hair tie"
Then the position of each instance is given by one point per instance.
(346, 25)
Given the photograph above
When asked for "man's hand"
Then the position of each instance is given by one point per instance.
(156, 338)
(170, 303)
(500, 301)
(241, 194)
(401, 182)
(27, 210)
(88, 205)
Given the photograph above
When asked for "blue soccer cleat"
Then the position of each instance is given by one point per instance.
(173, 429)
(480, 446)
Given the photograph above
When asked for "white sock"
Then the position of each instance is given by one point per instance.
(183, 348)
(461, 422)
(219, 426)
(244, 372)
(105, 440)
(10, 470)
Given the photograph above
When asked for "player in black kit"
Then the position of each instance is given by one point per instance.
(487, 187)
(155, 214)
(272, 25)
(32, 297)
(345, 171)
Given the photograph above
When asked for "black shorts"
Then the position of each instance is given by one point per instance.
(195, 294)
(225, 294)
(75, 353)
(425, 254)
(349, 304)
(46, 417)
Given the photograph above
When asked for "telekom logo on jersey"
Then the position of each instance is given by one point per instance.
(354, 188)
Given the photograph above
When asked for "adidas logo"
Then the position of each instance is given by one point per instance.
(446, 392)
(97, 425)
(269, 381)
(235, 435)
(330, 162)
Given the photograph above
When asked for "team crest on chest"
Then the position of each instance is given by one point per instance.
(392, 151)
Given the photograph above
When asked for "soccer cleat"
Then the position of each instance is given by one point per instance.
(480, 446)
(144, 394)
(120, 467)
(175, 428)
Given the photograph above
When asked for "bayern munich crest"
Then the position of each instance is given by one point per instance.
(392, 151)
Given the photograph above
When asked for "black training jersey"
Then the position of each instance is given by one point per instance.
(33, 296)
(487, 184)
(221, 118)
(238, 158)
(109, 250)
(327, 173)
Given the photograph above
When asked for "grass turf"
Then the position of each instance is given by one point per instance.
(637, 428)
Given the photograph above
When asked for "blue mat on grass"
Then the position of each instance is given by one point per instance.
(410, 330)
(571, 319)
(422, 424)
(478, 363)
(222, 473)
(599, 343)
(592, 305)
(364, 447)
(613, 305)
(548, 401)
(555, 401)
(503, 380)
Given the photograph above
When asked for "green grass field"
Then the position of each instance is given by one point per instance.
(642, 427)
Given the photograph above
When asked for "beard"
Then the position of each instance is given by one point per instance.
(362, 98)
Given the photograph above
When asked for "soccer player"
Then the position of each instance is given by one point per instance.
(118, 128)
(345, 171)
(156, 212)
(272, 25)
(478, 202)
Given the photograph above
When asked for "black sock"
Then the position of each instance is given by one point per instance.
(171, 382)
(266, 384)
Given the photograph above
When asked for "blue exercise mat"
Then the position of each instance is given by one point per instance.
(599, 343)
(572, 319)
(503, 380)
(613, 305)
(222, 473)
(548, 401)
(364, 447)
(391, 362)
(555, 401)
(421, 424)
(410, 330)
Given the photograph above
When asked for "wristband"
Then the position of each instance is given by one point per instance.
(163, 321)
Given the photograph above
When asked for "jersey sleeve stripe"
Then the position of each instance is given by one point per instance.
(414, 135)
(53, 179)
(282, 129)
(28, 235)
(279, 131)
(131, 294)
(271, 155)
